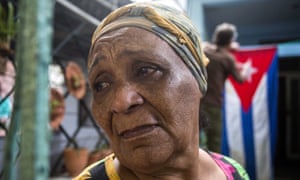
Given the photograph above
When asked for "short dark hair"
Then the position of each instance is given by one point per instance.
(224, 34)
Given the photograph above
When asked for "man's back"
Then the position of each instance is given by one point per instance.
(221, 65)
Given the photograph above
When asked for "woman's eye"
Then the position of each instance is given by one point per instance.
(145, 71)
(100, 86)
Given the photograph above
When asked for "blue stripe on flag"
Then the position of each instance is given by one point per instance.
(225, 146)
(272, 80)
(248, 139)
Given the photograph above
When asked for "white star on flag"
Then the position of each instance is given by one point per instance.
(247, 70)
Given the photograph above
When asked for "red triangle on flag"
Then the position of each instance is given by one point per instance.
(254, 63)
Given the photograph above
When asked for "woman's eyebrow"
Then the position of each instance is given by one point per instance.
(144, 54)
(95, 61)
(138, 51)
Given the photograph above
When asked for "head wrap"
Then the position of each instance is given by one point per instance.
(166, 22)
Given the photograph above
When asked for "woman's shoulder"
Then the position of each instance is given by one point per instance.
(231, 168)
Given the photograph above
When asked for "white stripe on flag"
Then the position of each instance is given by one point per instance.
(261, 131)
(234, 124)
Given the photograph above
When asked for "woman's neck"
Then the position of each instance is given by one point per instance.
(196, 165)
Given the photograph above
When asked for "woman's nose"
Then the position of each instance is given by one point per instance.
(126, 99)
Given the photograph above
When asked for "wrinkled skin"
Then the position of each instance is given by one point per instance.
(147, 101)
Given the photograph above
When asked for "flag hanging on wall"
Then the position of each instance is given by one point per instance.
(250, 111)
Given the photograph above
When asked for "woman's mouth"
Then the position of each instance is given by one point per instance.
(140, 130)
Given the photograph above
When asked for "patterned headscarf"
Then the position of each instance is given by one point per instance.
(166, 22)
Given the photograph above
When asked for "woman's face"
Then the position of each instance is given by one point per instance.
(144, 97)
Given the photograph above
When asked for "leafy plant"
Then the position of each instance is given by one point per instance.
(7, 23)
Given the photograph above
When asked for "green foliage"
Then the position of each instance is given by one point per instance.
(7, 23)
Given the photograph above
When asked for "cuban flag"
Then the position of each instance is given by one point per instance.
(250, 111)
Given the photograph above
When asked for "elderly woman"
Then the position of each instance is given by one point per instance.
(147, 74)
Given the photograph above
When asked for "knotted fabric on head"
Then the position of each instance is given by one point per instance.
(166, 22)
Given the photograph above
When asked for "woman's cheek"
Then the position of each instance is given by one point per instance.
(97, 115)
(102, 119)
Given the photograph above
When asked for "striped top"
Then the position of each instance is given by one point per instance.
(105, 170)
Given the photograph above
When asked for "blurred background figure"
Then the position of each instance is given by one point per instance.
(222, 64)
(7, 69)
(7, 81)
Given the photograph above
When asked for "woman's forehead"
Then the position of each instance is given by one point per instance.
(130, 40)
(133, 35)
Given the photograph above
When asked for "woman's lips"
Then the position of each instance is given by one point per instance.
(137, 131)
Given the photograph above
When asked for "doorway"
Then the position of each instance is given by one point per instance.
(287, 155)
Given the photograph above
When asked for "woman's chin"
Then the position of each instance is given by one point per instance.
(148, 158)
